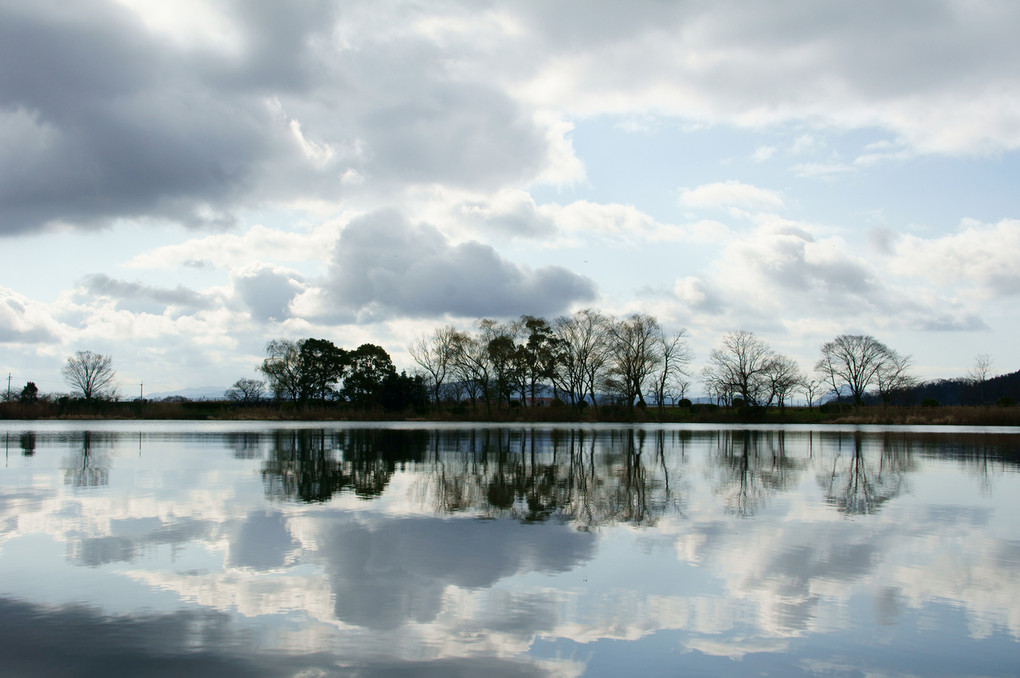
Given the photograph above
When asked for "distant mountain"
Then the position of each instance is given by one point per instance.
(195, 393)
(962, 391)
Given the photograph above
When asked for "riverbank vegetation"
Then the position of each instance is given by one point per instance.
(267, 410)
(588, 366)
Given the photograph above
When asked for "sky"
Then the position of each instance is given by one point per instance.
(182, 182)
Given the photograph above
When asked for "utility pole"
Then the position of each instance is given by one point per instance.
(8, 387)
(141, 393)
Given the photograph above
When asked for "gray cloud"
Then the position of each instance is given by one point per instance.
(109, 120)
(116, 125)
(267, 292)
(139, 298)
(385, 264)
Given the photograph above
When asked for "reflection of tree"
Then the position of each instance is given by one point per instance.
(88, 466)
(313, 465)
(27, 444)
(246, 444)
(568, 476)
(753, 466)
(856, 486)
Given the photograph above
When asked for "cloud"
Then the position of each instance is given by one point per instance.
(267, 291)
(258, 243)
(979, 255)
(730, 194)
(787, 270)
(936, 75)
(383, 265)
(139, 298)
(23, 320)
(763, 153)
(112, 117)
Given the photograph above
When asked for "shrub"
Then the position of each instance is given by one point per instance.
(684, 403)
(929, 402)
(1004, 401)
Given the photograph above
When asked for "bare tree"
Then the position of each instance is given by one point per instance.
(982, 369)
(634, 346)
(675, 357)
(90, 374)
(893, 376)
(677, 388)
(784, 377)
(434, 354)
(810, 386)
(470, 361)
(854, 361)
(282, 367)
(246, 391)
(740, 366)
(979, 374)
(584, 343)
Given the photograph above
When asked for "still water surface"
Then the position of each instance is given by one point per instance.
(253, 549)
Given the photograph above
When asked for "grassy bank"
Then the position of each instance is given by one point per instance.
(698, 414)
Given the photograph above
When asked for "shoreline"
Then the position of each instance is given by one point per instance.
(844, 415)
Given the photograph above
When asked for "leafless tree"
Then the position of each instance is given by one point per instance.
(784, 377)
(246, 391)
(854, 361)
(90, 374)
(982, 369)
(740, 367)
(282, 367)
(635, 354)
(980, 373)
(676, 356)
(434, 353)
(810, 386)
(584, 343)
(471, 366)
(893, 375)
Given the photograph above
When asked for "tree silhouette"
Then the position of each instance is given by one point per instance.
(90, 374)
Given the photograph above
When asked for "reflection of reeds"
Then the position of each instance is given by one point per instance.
(949, 415)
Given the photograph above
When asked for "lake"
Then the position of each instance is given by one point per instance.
(267, 549)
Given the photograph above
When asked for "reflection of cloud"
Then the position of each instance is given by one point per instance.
(262, 542)
(46, 641)
(246, 593)
(385, 573)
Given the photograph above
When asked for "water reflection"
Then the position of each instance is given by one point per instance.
(751, 467)
(860, 484)
(313, 465)
(513, 550)
(88, 465)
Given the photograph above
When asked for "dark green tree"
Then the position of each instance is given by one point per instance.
(540, 355)
(403, 392)
(322, 367)
(29, 394)
(368, 368)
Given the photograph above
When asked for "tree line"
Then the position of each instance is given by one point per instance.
(591, 358)
(588, 359)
